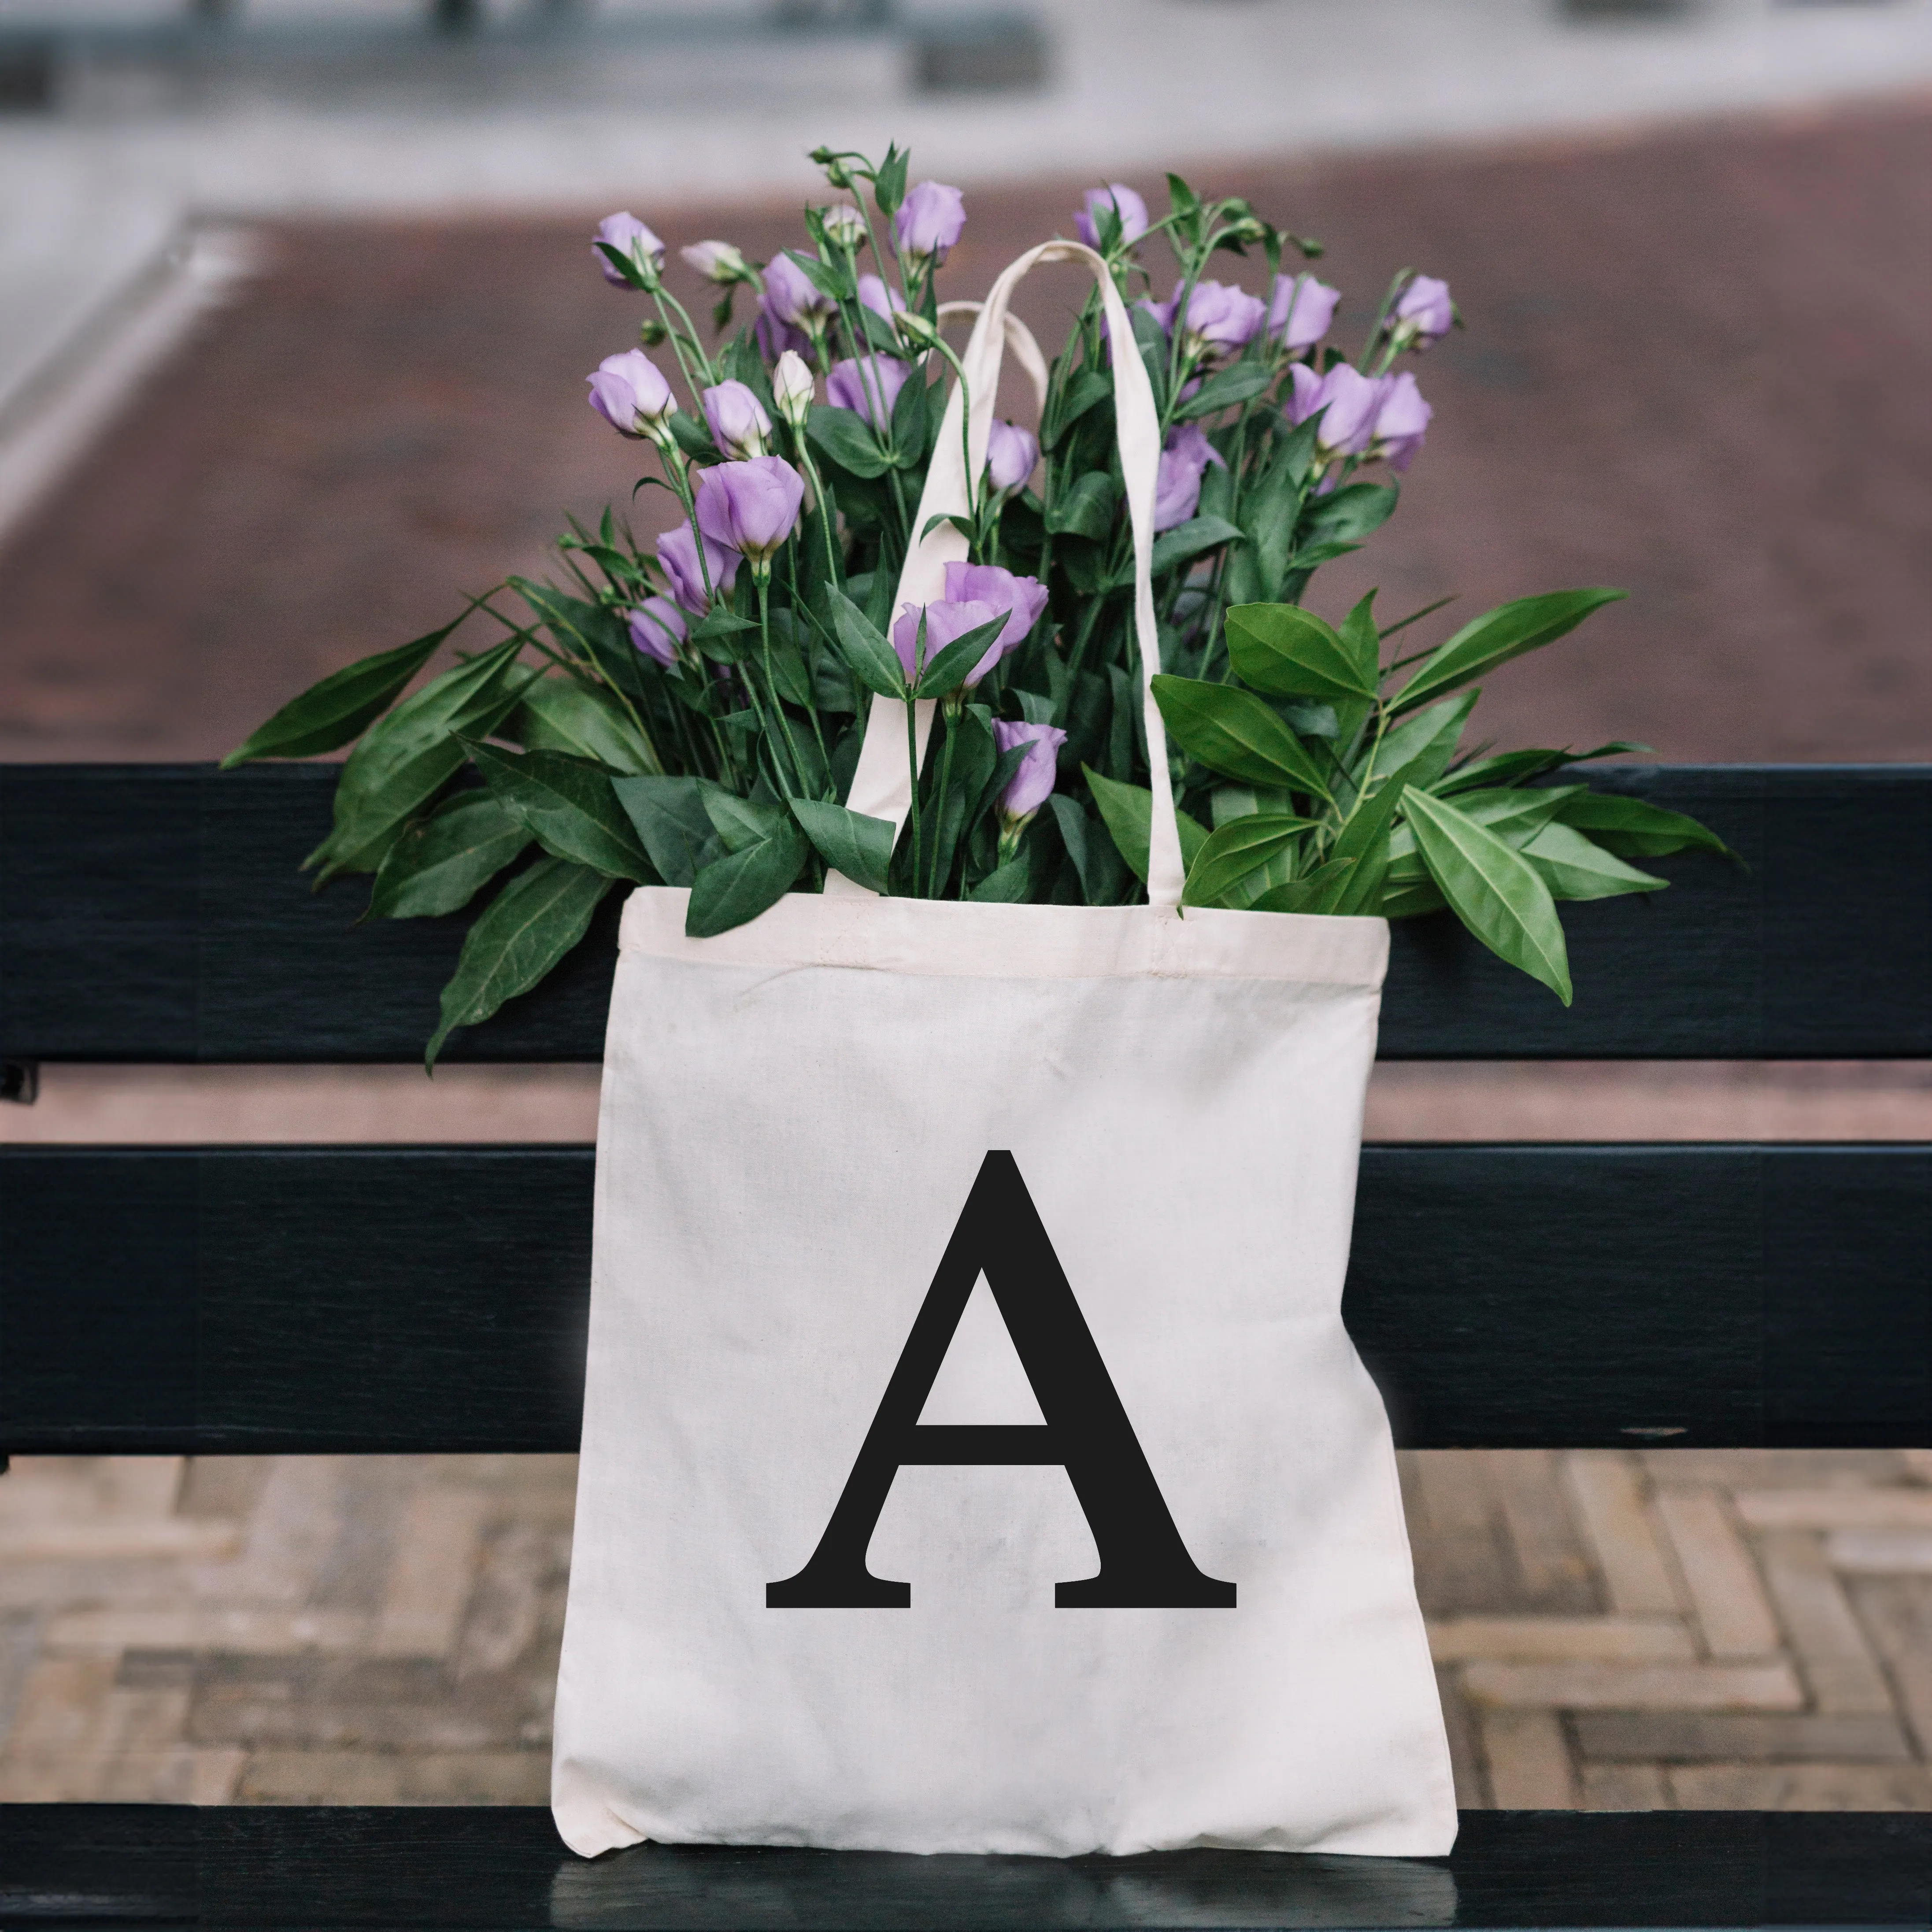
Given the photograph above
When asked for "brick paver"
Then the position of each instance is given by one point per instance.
(384, 1630)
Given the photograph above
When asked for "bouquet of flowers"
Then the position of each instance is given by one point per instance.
(691, 716)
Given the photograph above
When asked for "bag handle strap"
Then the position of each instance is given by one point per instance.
(882, 784)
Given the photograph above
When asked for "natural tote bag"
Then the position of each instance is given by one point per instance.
(974, 1459)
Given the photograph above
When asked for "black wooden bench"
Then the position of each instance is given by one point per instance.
(292, 1299)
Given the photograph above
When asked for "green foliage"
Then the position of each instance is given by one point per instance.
(524, 932)
(1327, 755)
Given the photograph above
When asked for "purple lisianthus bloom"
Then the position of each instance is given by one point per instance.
(1222, 320)
(752, 507)
(1023, 598)
(1401, 422)
(1177, 489)
(630, 237)
(1123, 200)
(792, 296)
(677, 552)
(930, 221)
(775, 336)
(1352, 401)
(1032, 785)
(738, 422)
(630, 393)
(1424, 314)
(868, 386)
(657, 627)
(1301, 311)
(875, 295)
(1011, 453)
(947, 620)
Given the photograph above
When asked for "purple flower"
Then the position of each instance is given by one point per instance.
(630, 393)
(630, 238)
(657, 627)
(774, 336)
(1424, 314)
(930, 221)
(867, 386)
(1299, 316)
(1011, 453)
(947, 620)
(1023, 598)
(1352, 399)
(875, 296)
(1122, 200)
(791, 295)
(753, 506)
(1222, 320)
(738, 422)
(1177, 489)
(1032, 785)
(1401, 422)
(677, 553)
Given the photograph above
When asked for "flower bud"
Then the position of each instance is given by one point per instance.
(930, 221)
(879, 297)
(630, 393)
(1401, 423)
(718, 262)
(792, 296)
(1101, 205)
(844, 226)
(657, 627)
(1011, 453)
(1032, 785)
(751, 508)
(737, 420)
(914, 330)
(635, 243)
(792, 388)
(1424, 313)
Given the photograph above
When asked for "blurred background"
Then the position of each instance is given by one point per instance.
(296, 302)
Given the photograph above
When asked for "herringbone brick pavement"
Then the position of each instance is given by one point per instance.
(1615, 1630)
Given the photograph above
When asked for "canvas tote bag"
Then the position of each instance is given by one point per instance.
(974, 1457)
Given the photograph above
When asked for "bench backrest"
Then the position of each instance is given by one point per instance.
(342, 1299)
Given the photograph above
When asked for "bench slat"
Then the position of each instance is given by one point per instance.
(395, 1299)
(272, 1867)
(154, 913)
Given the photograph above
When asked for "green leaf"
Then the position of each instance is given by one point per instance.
(406, 758)
(440, 863)
(946, 670)
(1574, 868)
(568, 804)
(1317, 892)
(1239, 384)
(909, 420)
(1069, 404)
(742, 823)
(670, 819)
(693, 437)
(1236, 852)
(888, 184)
(1097, 865)
(1086, 510)
(327, 715)
(1127, 812)
(843, 436)
(874, 662)
(1187, 541)
(1428, 741)
(828, 278)
(588, 631)
(524, 932)
(736, 888)
(1634, 830)
(1515, 814)
(1363, 641)
(558, 714)
(1498, 894)
(848, 842)
(1286, 652)
(1348, 515)
(1009, 885)
(1234, 732)
(1411, 901)
(1499, 635)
